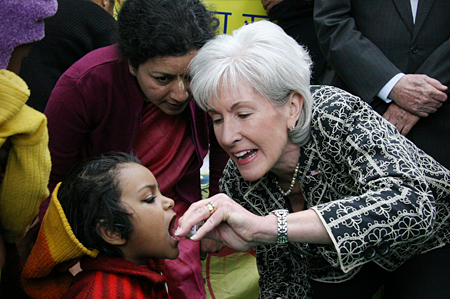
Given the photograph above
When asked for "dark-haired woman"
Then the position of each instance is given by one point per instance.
(135, 96)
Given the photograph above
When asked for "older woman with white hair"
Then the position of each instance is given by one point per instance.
(332, 198)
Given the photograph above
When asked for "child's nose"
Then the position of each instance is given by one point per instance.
(168, 203)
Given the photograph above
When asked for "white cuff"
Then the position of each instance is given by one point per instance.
(386, 90)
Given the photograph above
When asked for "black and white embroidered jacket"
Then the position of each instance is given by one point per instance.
(380, 198)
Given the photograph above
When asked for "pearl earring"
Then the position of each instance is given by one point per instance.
(133, 72)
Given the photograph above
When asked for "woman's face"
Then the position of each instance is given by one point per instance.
(17, 56)
(107, 5)
(252, 130)
(165, 83)
(153, 218)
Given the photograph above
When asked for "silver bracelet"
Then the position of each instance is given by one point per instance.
(282, 226)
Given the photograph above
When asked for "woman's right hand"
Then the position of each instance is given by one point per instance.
(230, 224)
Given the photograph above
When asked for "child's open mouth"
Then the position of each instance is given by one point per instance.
(172, 229)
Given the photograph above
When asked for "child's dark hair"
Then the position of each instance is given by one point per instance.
(90, 196)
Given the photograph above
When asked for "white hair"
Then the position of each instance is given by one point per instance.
(260, 55)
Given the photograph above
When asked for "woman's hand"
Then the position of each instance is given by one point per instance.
(210, 246)
(230, 224)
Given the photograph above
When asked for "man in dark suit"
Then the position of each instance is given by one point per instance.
(395, 55)
(296, 19)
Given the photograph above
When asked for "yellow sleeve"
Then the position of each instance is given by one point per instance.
(27, 172)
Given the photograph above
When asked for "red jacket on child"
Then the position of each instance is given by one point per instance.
(107, 277)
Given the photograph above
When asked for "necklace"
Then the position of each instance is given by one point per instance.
(292, 182)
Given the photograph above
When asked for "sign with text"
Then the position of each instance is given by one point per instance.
(232, 14)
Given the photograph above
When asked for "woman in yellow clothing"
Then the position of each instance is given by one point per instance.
(25, 178)
(24, 155)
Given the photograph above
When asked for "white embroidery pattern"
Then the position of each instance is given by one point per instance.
(374, 190)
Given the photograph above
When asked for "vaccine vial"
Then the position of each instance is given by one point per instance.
(194, 229)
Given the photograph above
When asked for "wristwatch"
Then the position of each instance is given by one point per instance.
(282, 226)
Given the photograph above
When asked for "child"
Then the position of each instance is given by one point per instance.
(109, 212)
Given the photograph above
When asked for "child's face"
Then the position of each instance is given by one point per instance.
(152, 216)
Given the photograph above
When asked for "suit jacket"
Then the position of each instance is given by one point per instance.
(380, 198)
(368, 42)
(296, 19)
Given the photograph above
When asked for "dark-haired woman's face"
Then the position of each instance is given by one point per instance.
(164, 82)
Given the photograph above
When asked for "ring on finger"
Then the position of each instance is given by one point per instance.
(211, 208)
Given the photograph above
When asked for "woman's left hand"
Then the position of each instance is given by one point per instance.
(229, 223)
